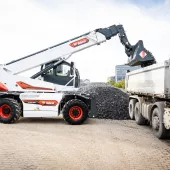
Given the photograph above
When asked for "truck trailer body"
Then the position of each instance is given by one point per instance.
(149, 101)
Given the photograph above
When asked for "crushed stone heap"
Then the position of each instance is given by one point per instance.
(111, 102)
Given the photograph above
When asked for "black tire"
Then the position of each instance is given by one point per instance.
(80, 114)
(10, 110)
(157, 124)
(140, 120)
(132, 109)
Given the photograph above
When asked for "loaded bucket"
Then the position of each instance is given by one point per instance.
(139, 56)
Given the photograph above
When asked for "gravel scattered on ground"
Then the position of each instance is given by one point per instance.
(49, 143)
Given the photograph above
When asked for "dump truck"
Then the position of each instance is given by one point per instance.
(149, 100)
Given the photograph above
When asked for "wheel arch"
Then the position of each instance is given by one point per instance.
(160, 106)
(138, 99)
(13, 96)
(67, 97)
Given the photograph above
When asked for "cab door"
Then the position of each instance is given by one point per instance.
(61, 75)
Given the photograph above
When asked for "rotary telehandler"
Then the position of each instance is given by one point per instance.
(42, 94)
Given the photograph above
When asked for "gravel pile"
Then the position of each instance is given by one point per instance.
(111, 102)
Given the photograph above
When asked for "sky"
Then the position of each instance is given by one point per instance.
(27, 26)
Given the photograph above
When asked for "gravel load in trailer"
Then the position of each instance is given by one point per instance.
(111, 102)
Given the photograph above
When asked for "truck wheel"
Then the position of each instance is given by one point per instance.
(75, 112)
(10, 110)
(140, 120)
(132, 109)
(157, 124)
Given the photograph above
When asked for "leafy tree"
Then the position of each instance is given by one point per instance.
(119, 84)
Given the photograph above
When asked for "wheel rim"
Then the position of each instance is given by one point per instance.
(155, 123)
(5, 111)
(75, 112)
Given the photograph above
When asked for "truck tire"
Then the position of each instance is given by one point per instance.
(75, 112)
(140, 120)
(132, 109)
(157, 124)
(10, 110)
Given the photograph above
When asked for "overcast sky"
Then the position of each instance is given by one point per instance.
(27, 26)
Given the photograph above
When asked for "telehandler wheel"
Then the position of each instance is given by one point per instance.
(132, 109)
(157, 125)
(75, 112)
(140, 120)
(10, 110)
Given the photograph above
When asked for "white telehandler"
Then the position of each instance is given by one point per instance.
(42, 95)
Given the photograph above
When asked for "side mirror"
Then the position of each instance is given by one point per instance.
(72, 68)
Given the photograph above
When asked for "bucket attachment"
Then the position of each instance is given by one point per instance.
(139, 56)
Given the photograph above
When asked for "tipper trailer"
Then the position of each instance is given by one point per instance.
(149, 101)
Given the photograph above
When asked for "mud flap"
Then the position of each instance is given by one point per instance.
(93, 109)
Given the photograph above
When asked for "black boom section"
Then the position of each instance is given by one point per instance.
(113, 31)
(108, 32)
(137, 53)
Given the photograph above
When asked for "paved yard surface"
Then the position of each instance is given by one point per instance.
(98, 144)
